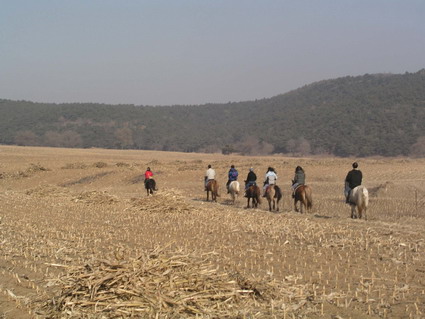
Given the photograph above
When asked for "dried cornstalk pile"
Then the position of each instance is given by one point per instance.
(31, 170)
(47, 191)
(163, 202)
(75, 166)
(163, 285)
(95, 197)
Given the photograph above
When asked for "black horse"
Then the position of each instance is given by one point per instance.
(150, 186)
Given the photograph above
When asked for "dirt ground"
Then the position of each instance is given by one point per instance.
(64, 207)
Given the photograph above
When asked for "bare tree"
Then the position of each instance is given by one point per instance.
(71, 139)
(291, 146)
(251, 145)
(418, 149)
(303, 147)
(298, 147)
(52, 138)
(26, 138)
(124, 136)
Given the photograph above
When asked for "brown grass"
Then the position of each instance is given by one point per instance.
(65, 227)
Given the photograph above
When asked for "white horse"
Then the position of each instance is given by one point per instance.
(359, 199)
(234, 189)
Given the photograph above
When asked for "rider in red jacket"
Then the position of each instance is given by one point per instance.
(148, 174)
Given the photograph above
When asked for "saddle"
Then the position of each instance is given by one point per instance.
(270, 186)
(296, 188)
(249, 184)
(208, 182)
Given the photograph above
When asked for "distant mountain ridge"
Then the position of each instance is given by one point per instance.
(373, 114)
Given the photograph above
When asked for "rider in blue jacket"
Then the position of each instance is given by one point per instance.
(233, 176)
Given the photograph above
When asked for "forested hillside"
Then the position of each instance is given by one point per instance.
(380, 114)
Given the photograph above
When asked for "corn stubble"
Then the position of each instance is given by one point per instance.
(75, 246)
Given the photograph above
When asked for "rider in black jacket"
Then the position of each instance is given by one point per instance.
(353, 179)
(251, 179)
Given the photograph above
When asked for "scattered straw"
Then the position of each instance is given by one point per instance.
(165, 285)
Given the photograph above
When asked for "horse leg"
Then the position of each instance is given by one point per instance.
(353, 210)
(270, 205)
(208, 195)
(365, 216)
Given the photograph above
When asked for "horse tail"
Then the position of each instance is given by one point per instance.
(365, 197)
(278, 194)
(215, 188)
(235, 186)
(309, 197)
(256, 193)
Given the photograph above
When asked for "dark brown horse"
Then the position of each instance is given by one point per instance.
(212, 186)
(253, 192)
(273, 194)
(150, 186)
(303, 194)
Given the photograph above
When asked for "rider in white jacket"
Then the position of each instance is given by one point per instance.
(271, 178)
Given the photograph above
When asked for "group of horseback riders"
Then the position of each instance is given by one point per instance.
(352, 180)
(251, 179)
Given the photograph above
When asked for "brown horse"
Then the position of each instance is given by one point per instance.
(253, 192)
(212, 186)
(303, 194)
(273, 194)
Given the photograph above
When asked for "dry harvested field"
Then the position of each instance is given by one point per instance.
(80, 239)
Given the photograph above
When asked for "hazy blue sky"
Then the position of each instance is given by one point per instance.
(161, 52)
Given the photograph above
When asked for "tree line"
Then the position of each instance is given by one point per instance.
(373, 114)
